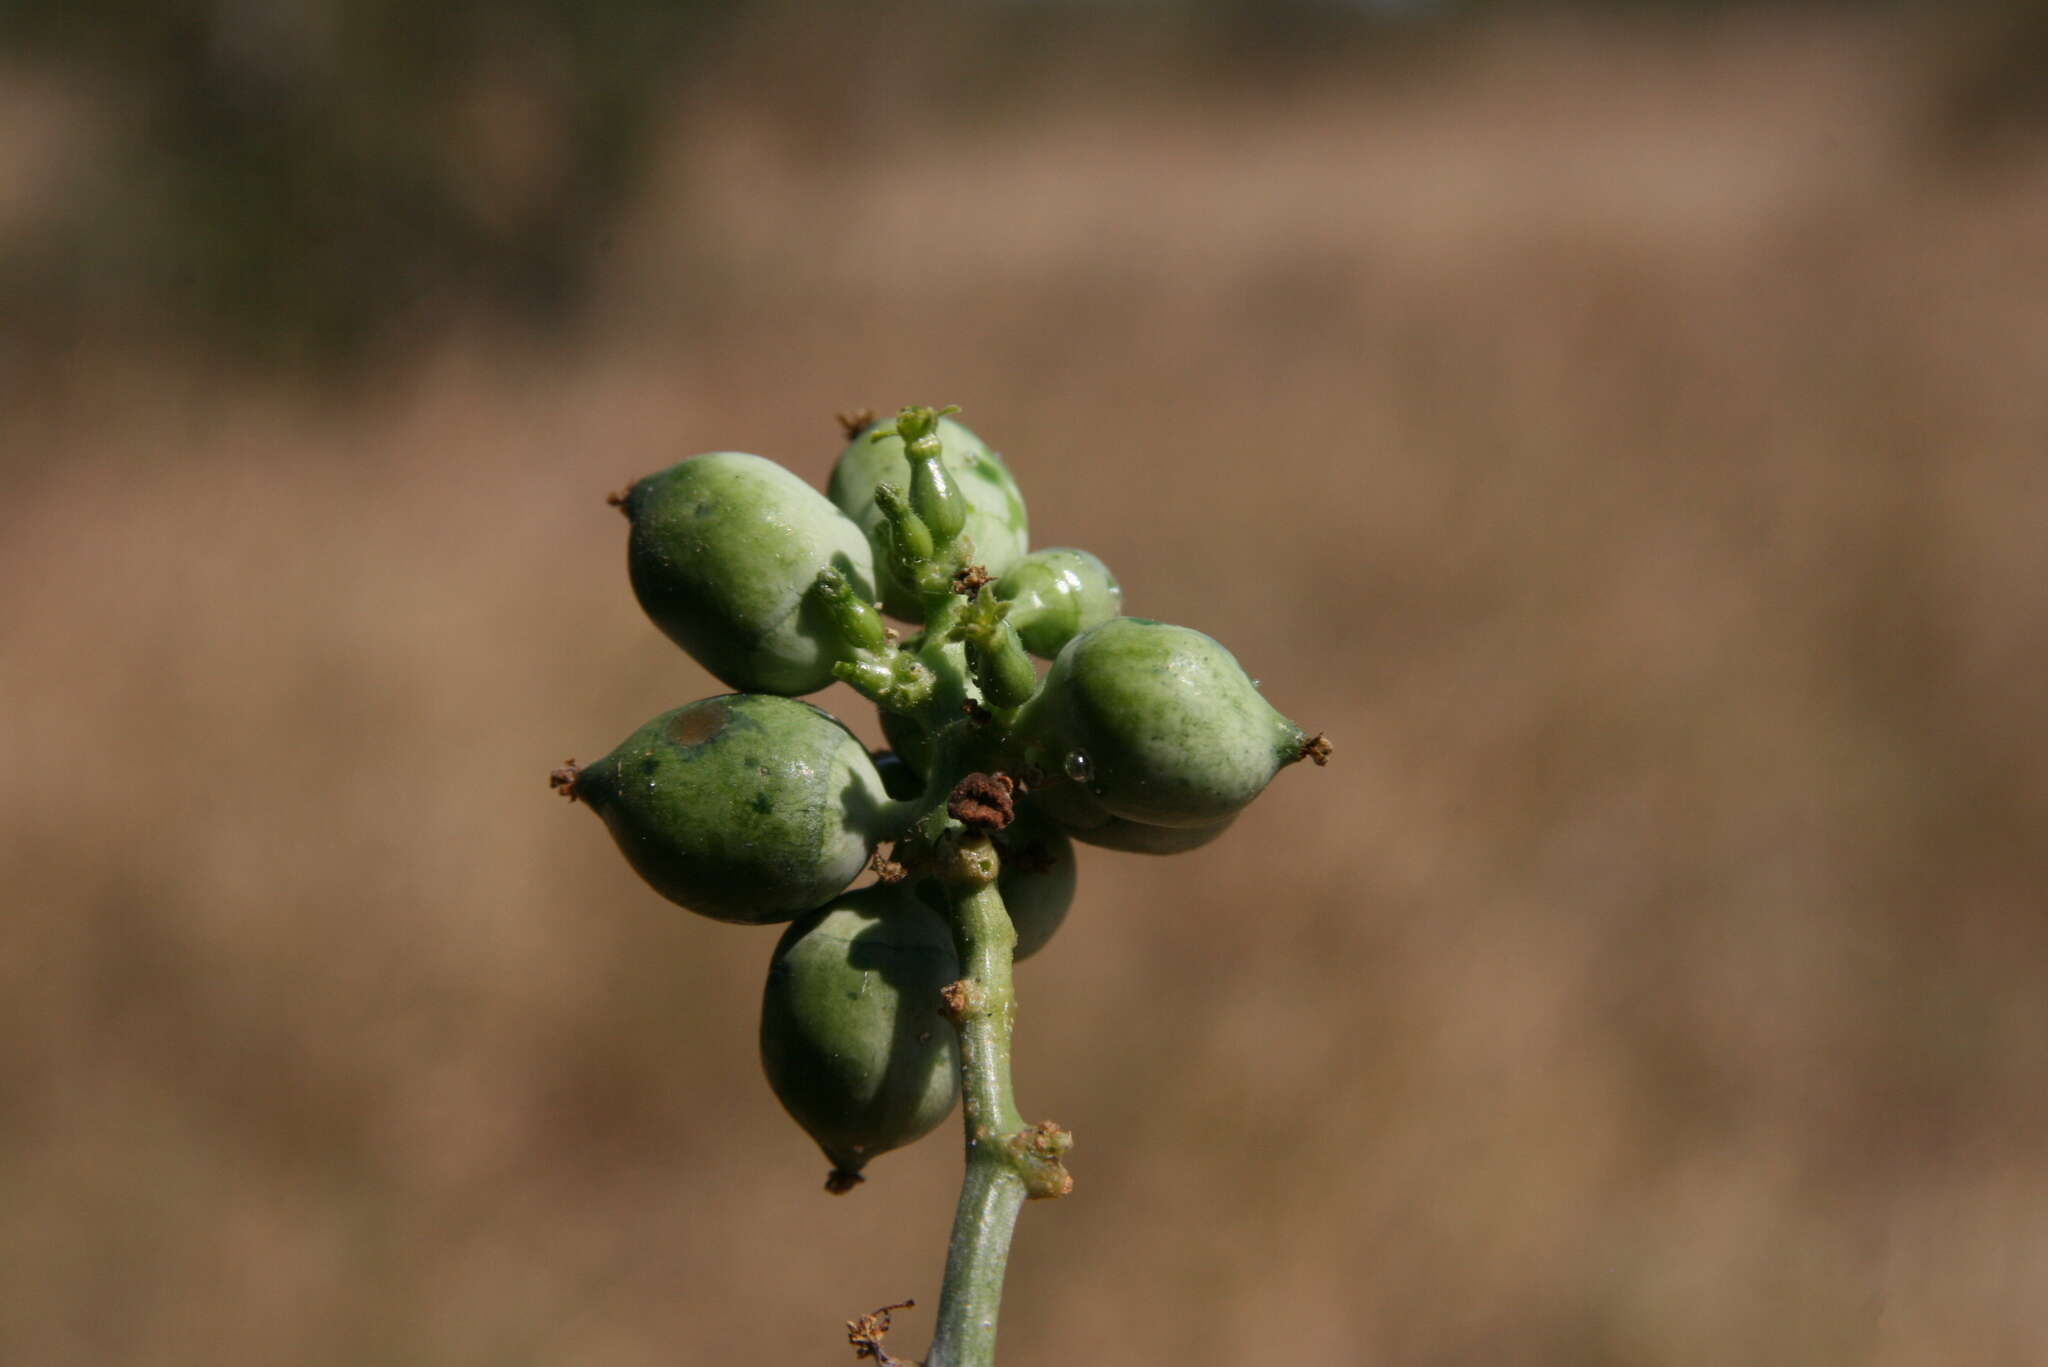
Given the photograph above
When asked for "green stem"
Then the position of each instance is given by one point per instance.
(1007, 1161)
(975, 1261)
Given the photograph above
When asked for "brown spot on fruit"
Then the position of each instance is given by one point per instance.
(698, 724)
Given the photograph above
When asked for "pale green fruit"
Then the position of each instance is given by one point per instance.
(997, 524)
(852, 1038)
(747, 807)
(1039, 872)
(1055, 594)
(1154, 724)
(723, 551)
(1135, 837)
(1037, 881)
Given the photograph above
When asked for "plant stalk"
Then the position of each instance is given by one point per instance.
(1007, 1161)
(976, 1259)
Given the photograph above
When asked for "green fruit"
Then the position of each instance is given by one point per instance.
(1037, 881)
(746, 807)
(1134, 837)
(1081, 815)
(1055, 594)
(723, 550)
(1154, 724)
(996, 520)
(852, 1038)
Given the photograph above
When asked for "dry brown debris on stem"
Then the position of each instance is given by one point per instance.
(957, 999)
(867, 1332)
(855, 421)
(1317, 748)
(886, 867)
(983, 802)
(839, 1181)
(969, 581)
(1042, 1147)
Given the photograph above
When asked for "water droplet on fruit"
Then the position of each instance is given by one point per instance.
(1078, 766)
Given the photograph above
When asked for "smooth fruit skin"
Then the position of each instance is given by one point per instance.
(1081, 815)
(1155, 724)
(996, 520)
(1055, 594)
(1037, 879)
(724, 547)
(1134, 837)
(851, 1035)
(745, 807)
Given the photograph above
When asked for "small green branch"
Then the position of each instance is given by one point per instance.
(1007, 1160)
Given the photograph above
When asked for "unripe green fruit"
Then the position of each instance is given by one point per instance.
(1155, 724)
(1037, 880)
(746, 807)
(996, 521)
(1056, 594)
(723, 553)
(1135, 837)
(852, 1038)
(1036, 883)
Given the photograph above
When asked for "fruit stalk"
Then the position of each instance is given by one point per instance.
(1007, 1161)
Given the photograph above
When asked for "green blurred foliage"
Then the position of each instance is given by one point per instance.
(305, 181)
(291, 178)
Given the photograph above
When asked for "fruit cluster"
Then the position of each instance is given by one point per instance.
(755, 807)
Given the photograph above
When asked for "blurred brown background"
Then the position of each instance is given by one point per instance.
(1621, 430)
